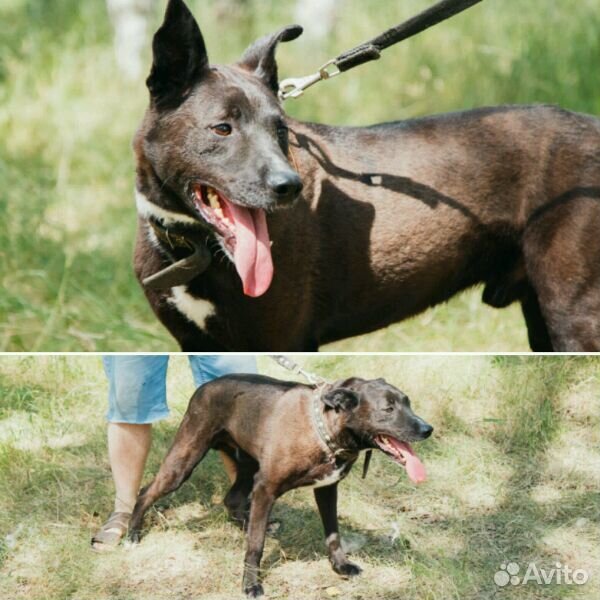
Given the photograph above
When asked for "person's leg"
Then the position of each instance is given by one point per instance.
(137, 398)
(206, 367)
(128, 447)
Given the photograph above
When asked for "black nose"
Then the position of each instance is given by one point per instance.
(425, 430)
(286, 185)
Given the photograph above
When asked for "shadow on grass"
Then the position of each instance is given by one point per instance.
(513, 530)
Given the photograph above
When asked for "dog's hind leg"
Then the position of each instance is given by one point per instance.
(189, 448)
(237, 500)
(263, 498)
(326, 498)
(562, 256)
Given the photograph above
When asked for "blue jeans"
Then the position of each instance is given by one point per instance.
(137, 383)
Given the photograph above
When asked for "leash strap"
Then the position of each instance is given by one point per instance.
(371, 50)
(431, 16)
(184, 270)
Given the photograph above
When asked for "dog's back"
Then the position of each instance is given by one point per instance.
(240, 402)
(219, 394)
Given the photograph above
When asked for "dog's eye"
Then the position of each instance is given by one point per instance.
(389, 409)
(222, 129)
(282, 135)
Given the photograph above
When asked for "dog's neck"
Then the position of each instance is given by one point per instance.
(331, 428)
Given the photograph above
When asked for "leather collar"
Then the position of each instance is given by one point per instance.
(325, 435)
(181, 271)
(322, 430)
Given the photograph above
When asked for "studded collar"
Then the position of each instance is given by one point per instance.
(319, 423)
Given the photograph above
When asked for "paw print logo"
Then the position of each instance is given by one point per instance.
(507, 574)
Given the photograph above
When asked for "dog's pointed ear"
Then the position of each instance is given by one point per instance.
(340, 398)
(260, 56)
(179, 58)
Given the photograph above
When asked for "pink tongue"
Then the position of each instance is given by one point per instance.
(414, 467)
(252, 254)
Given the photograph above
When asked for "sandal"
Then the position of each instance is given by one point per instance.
(112, 532)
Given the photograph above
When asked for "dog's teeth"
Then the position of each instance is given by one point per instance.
(213, 198)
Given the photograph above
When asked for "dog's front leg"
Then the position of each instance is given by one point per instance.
(326, 498)
(262, 502)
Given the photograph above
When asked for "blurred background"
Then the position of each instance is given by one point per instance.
(513, 475)
(69, 107)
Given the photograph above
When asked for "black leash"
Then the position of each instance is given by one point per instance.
(371, 50)
(317, 380)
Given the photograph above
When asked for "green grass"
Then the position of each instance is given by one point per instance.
(67, 217)
(514, 473)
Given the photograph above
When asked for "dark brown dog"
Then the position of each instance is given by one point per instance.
(391, 219)
(283, 435)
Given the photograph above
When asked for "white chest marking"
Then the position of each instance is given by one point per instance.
(195, 310)
(147, 209)
(152, 236)
(332, 478)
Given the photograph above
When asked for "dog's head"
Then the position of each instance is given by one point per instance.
(216, 141)
(378, 415)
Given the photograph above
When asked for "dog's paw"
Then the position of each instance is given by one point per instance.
(134, 536)
(347, 569)
(254, 591)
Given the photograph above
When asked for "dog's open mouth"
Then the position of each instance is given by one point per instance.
(244, 235)
(403, 454)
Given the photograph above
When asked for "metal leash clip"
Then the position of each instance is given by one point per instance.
(294, 367)
(293, 87)
(371, 50)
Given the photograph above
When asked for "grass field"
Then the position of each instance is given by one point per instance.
(514, 473)
(67, 217)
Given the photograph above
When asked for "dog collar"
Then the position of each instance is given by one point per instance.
(183, 270)
(325, 436)
(169, 237)
(320, 424)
